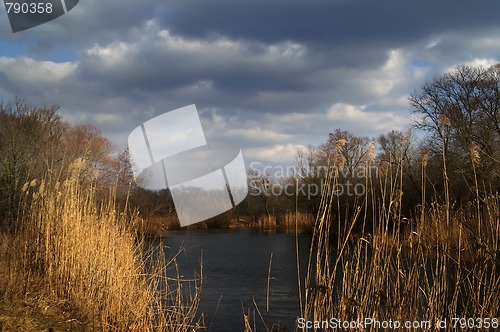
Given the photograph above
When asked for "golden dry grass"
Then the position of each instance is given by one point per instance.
(74, 247)
(444, 264)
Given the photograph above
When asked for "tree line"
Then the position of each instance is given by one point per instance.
(455, 136)
(35, 142)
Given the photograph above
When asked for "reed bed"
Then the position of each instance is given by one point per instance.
(441, 266)
(266, 221)
(300, 219)
(75, 246)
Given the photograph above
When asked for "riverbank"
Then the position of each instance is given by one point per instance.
(303, 223)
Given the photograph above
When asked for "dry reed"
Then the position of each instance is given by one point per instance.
(74, 246)
(444, 264)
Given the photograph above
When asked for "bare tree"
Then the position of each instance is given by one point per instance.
(354, 150)
(260, 185)
(35, 143)
(29, 142)
(457, 111)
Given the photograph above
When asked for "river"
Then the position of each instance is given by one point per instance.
(235, 271)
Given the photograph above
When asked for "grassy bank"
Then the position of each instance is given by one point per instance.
(75, 252)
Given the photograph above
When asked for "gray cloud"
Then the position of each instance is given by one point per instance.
(326, 24)
(269, 74)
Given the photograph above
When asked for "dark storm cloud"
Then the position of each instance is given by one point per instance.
(326, 24)
(151, 68)
(341, 39)
(216, 72)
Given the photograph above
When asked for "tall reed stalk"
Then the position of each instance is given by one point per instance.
(433, 269)
(74, 245)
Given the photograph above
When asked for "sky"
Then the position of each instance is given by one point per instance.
(270, 75)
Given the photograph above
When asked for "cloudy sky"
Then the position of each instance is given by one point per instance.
(271, 75)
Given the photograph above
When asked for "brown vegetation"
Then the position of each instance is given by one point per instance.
(442, 265)
(82, 253)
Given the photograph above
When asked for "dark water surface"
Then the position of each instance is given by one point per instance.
(235, 271)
